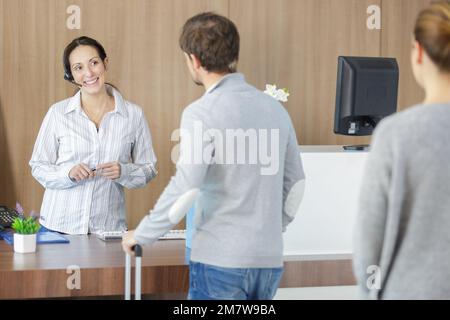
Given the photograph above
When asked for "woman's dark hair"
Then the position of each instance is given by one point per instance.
(432, 31)
(213, 39)
(81, 41)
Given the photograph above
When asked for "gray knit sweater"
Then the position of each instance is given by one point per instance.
(244, 201)
(403, 226)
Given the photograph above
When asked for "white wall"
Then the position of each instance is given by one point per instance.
(325, 219)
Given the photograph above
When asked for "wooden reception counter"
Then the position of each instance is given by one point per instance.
(90, 267)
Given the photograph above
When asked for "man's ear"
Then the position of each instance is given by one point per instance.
(195, 61)
(419, 49)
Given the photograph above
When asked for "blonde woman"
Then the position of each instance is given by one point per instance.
(401, 248)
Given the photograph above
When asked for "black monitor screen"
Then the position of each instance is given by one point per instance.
(366, 92)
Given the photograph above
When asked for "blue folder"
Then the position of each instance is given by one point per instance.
(42, 237)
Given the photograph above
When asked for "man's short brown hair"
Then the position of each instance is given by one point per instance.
(213, 39)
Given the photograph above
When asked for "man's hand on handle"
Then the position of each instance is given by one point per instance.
(128, 242)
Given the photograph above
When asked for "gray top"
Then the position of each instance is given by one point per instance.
(240, 211)
(404, 217)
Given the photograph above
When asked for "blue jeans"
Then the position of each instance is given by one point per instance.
(207, 282)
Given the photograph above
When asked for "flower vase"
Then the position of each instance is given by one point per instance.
(25, 243)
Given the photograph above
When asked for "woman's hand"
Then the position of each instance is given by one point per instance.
(81, 172)
(110, 170)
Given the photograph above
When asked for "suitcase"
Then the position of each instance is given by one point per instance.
(137, 274)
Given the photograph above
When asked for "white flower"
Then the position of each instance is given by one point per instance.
(280, 94)
(271, 90)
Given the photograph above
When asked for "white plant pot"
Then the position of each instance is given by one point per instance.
(24, 243)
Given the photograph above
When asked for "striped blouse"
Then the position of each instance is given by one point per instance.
(68, 137)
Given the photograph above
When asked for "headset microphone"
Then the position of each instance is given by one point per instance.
(69, 78)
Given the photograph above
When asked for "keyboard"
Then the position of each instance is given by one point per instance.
(117, 235)
(110, 235)
(174, 235)
(7, 216)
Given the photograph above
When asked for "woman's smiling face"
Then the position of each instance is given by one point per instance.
(88, 69)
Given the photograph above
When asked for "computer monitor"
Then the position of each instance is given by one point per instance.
(366, 92)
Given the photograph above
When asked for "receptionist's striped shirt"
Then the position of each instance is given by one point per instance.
(67, 137)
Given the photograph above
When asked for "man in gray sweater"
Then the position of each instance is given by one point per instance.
(240, 163)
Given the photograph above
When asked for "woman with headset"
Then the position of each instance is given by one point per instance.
(90, 147)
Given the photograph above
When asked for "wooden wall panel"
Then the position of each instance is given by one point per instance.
(295, 44)
(399, 17)
(8, 187)
(26, 79)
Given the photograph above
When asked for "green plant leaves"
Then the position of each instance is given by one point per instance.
(25, 226)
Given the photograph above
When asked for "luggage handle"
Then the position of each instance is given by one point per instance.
(137, 286)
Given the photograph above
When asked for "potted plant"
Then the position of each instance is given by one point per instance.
(25, 234)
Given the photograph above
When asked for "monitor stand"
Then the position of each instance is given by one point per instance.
(359, 147)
